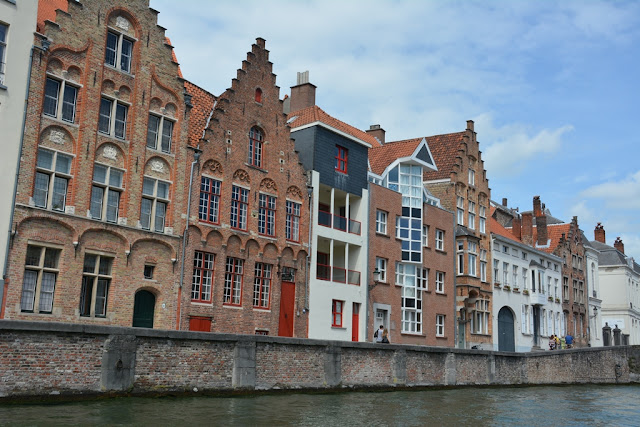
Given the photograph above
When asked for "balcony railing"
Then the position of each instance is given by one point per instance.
(338, 222)
(337, 274)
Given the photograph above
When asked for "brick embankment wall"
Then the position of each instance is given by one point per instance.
(51, 359)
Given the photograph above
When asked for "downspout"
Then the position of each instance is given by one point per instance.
(310, 191)
(366, 314)
(458, 323)
(196, 160)
(5, 275)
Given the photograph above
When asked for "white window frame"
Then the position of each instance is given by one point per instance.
(381, 265)
(3, 49)
(472, 215)
(118, 63)
(440, 318)
(422, 278)
(425, 236)
(472, 177)
(473, 258)
(54, 176)
(460, 253)
(112, 118)
(156, 201)
(161, 141)
(440, 275)
(107, 187)
(483, 265)
(483, 219)
(439, 240)
(60, 99)
(381, 222)
(460, 206)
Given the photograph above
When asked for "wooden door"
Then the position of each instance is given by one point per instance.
(143, 309)
(287, 300)
(355, 322)
(506, 338)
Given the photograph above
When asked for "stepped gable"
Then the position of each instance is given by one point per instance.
(174, 58)
(314, 114)
(382, 156)
(47, 11)
(203, 103)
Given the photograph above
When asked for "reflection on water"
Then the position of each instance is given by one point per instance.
(574, 405)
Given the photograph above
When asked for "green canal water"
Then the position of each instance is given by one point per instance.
(534, 406)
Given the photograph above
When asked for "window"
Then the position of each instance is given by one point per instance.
(440, 325)
(292, 225)
(472, 177)
(201, 282)
(148, 271)
(232, 294)
(381, 222)
(209, 209)
(159, 130)
(472, 215)
(267, 215)
(425, 236)
(153, 209)
(3, 46)
(515, 253)
(556, 287)
(96, 278)
(524, 256)
(423, 278)
(409, 278)
(460, 204)
(262, 285)
(575, 292)
(580, 291)
(440, 282)
(258, 96)
(483, 219)
(239, 207)
(336, 313)
(54, 91)
(381, 265)
(39, 282)
(52, 179)
(483, 265)
(515, 276)
(525, 278)
(505, 273)
(480, 317)
(113, 109)
(473, 258)
(460, 251)
(341, 154)
(565, 288)
(118, 52)
(105, 193)
(439, 240)
(255, 147)
(505, 249)
(549, 286)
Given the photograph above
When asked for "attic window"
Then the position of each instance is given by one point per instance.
(259, 95)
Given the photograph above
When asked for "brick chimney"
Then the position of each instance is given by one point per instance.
(541, 226)
(504, 202)
(303, 94)
(470, 125)
(377, 132)
(537, 208)
(618, 244)
(527, 228)
(516, 227)
(598, 233)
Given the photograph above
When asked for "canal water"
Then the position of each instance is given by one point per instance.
(533, 406)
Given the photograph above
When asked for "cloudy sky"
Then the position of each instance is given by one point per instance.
(551, 85)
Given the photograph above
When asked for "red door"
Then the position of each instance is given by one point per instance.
(355, 322)
(287, 299)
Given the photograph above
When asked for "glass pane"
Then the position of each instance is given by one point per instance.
(45, 159)
(104, 122)
(33, 255)
(101, 297)
(69, 103)
(59, 193)
(89, 263)
(148, 186)
(100, 174)
(50, 96)
(3, 33)
(46, 292)
(85, 296)
(51, 258)
(112, 46)
(41, 190)
(113, 201)
(121, 121)
(105, 266)
(28, 290)
(163, 190)
(125, 58)
(152, 131)
(160, 215)
(96, 202)
(63, 163)
(115, 178)
(167, 130)
(145, 214)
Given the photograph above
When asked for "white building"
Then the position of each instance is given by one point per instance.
(17, 27)
(619, 281)
(591, 255)
(527, 294)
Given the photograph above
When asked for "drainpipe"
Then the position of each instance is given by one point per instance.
(196, 159)
(5, 275)
(366, 313)
(310, 248)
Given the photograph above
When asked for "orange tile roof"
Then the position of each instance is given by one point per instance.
(381, 157)
(203, 103)
(554, 233)
(496, 228)
(316, 114)
(444, 149)
(174, 58)
(47, 11)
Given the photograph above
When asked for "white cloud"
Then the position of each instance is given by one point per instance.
(617, 195)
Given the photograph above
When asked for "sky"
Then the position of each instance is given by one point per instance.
(552, 86)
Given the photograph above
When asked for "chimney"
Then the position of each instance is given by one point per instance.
(598, 233)
(619, 245)
(303, 94)
(527, 228)
(377, 132)
(470, 125)
(541, 226)
(516, 227)
(537, 209)
(504, 202)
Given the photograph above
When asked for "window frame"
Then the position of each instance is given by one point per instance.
(38, 297)
(118, 51)
(381, 265)
(292, 220)
(155, 201)
(60, 98)
(54, 176)
(440, 319)
(107, 189)
(201, 283)
(159, 133)
(262, 282)
(337, 313)
(440, 280)
(233, 281)
(3, 49)
(267, 214)
(439, 239)
(256, 147)
(209, 212)
(112, 119)
(239, 214)
(381, 221)
(341, 155)
(95, 276)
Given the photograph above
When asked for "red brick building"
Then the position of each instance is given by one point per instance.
(246, 257)
(96, 233)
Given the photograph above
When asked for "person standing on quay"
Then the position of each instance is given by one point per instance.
(385, 336)
(569, 340)
(377, 336)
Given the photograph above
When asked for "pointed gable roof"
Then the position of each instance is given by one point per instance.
(554, 233)
(315, 114)
(381, 157)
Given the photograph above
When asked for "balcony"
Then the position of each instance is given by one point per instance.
(338, 222)
(337, 274)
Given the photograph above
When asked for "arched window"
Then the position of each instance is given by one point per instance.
(259, 95)
(255, 147)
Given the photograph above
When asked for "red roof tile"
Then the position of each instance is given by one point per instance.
(47, 11)
(496, 228)
(203, 103)
(174, 58)
(381, 157)
(316, 114)
(554, 233)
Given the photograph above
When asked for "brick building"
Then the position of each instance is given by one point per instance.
(460, 183)
(246, 256)
(411, 242)
(96, 232)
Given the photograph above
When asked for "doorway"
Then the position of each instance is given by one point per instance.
(506, 337)
(143, 309)
(287, 300)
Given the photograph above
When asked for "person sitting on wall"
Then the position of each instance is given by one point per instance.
(385, 336)
(552, 342)
(377, 336)
(569, 340)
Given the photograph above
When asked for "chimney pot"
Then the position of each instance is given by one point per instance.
(470, 125)
(537, 209)
(599, 233)
(527, 228)
(504, 202)
(303, 94)
(377, 132)
(618, 244)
